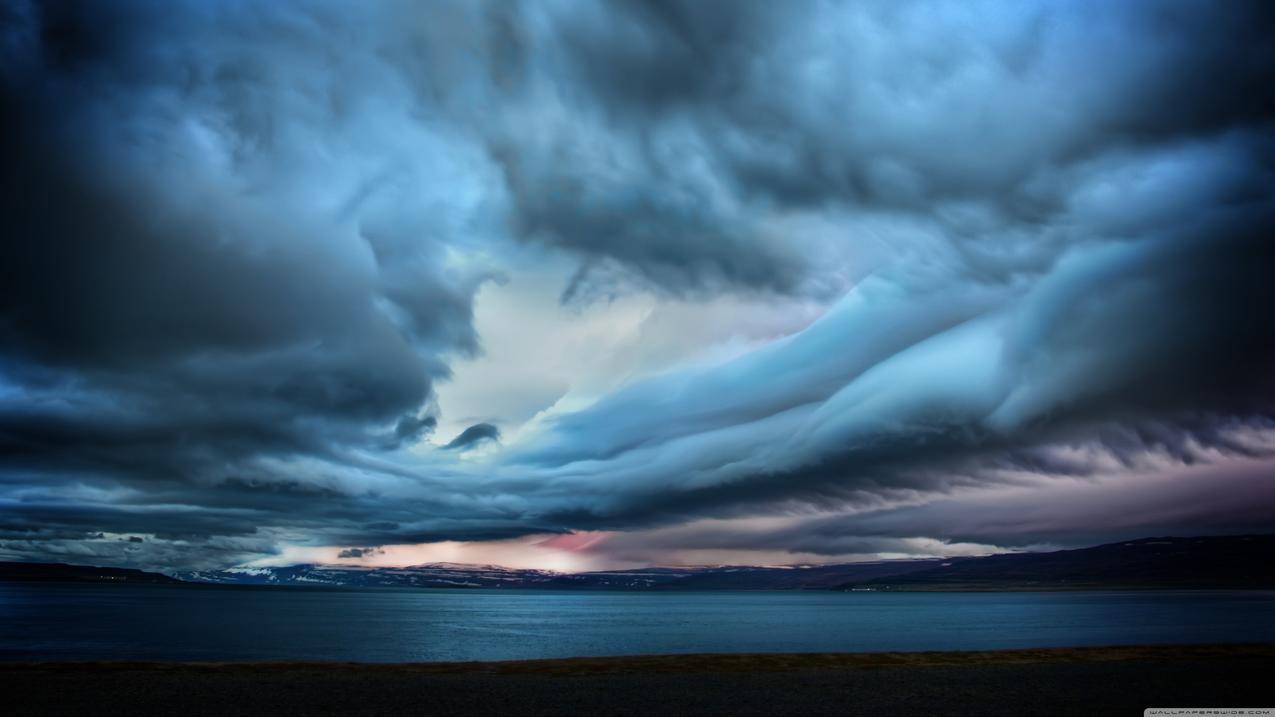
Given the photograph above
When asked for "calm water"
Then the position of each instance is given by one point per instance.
(165, 623)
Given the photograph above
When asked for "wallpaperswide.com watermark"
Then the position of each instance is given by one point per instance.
(1208, 711)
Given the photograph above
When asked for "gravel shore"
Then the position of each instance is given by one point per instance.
(1081, 681)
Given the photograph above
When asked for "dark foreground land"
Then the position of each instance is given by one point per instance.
(1076, 681)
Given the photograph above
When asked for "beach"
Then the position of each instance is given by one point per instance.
(1070, 681)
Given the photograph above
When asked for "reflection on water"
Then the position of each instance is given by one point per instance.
(95, 622)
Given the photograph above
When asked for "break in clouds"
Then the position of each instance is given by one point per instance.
(247, 246)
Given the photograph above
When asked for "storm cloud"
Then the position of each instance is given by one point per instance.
(246, 245)
(475, 434)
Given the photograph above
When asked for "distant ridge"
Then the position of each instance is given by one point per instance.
(61, 572)
(1171, 562)
(1214, 562)
(451, 575)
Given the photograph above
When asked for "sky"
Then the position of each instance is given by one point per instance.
(585, 285)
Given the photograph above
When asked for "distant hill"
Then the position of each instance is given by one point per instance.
(59, 572)
(451, 575)
(1208, 562)
(1212, 562)
(743, 577)
(434, 575)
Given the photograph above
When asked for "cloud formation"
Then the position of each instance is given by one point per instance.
(475, 434)
(245, 243)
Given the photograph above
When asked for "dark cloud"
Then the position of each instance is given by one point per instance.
(473, 435)
(1228, 499)
(1231, 497)
(243, 245)
(413, 428)
(358, 553)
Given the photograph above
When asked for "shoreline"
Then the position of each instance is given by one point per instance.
(711, 662)
(1095, 681)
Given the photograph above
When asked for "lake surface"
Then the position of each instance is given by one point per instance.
(144, 622)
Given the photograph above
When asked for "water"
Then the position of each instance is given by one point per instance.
(123, 622)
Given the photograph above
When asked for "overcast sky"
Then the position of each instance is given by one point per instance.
(592, 284)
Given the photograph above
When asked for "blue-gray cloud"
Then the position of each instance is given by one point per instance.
(244, 243)
(475, 434)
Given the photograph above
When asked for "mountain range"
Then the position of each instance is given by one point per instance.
(1199, 562)
(452, 575)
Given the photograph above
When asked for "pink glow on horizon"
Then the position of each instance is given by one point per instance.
(542, 552)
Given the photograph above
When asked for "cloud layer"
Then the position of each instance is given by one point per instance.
(245, 244)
